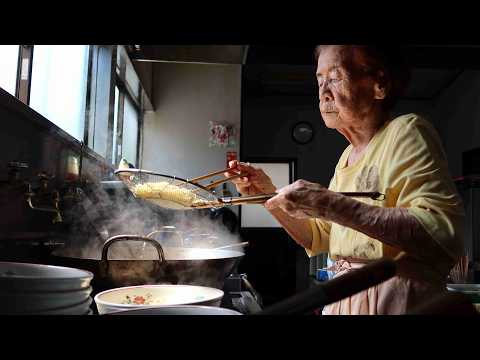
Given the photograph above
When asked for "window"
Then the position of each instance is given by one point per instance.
(130, 132)
(92, 92)
(8, 67)
(59, 85)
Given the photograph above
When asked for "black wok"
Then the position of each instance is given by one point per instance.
(174, 265)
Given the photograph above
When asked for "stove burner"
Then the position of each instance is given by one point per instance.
(240, 295)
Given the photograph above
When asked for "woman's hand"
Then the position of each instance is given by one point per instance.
(254, 183)
(303, 199)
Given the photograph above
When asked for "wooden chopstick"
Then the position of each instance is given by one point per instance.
(194, 180)
(216, 183)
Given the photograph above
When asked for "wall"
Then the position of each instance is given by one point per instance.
(457, 117)
(454, 113)
(421, 107)
(186, 98)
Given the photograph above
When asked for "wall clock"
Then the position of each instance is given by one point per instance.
(302, 132)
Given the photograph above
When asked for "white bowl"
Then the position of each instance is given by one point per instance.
(37, 277)
(80, 309)
(156, 295)
(189, 310)
(34, 302)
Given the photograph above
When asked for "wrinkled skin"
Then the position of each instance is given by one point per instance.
(350, 93)
(303, 200)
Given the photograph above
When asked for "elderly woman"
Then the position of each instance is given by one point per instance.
(419, 221)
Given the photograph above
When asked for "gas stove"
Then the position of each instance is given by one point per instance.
(240, 295)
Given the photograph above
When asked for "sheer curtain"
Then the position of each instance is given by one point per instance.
(8, 67)
(59, 85)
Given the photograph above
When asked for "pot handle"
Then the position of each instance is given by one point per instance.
(164, 230)
(114, 239)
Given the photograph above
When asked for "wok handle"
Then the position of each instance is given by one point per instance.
(335, 289)
(114, 239)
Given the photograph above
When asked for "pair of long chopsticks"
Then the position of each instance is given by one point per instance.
(215, 183)
(258, 199)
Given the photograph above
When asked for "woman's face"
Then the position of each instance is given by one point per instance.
(347, 94)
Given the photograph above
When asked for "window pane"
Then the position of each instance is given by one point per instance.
(130, 132)
(115, 122)
(8, 67)
(59, 85)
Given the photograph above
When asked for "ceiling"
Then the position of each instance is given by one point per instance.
(210, 54)
(420, 56)
(289, 68)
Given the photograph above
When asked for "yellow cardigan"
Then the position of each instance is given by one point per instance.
(406, 162)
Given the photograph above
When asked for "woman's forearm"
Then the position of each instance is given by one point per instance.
(298, 229)
(392, 226)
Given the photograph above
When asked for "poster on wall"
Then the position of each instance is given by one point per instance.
(256, 216)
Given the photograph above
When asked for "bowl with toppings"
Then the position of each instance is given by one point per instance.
(143, 296)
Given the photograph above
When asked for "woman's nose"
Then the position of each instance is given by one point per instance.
(324, 93)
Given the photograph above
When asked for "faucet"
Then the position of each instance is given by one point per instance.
(42, 193)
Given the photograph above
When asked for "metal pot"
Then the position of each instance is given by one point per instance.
(175, 265)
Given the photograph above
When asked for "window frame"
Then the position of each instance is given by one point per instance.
(25, 62)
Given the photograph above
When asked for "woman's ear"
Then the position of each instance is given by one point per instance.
(379, 92)
(381, 86)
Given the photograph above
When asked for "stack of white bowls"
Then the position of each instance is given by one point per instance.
(35, 289)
